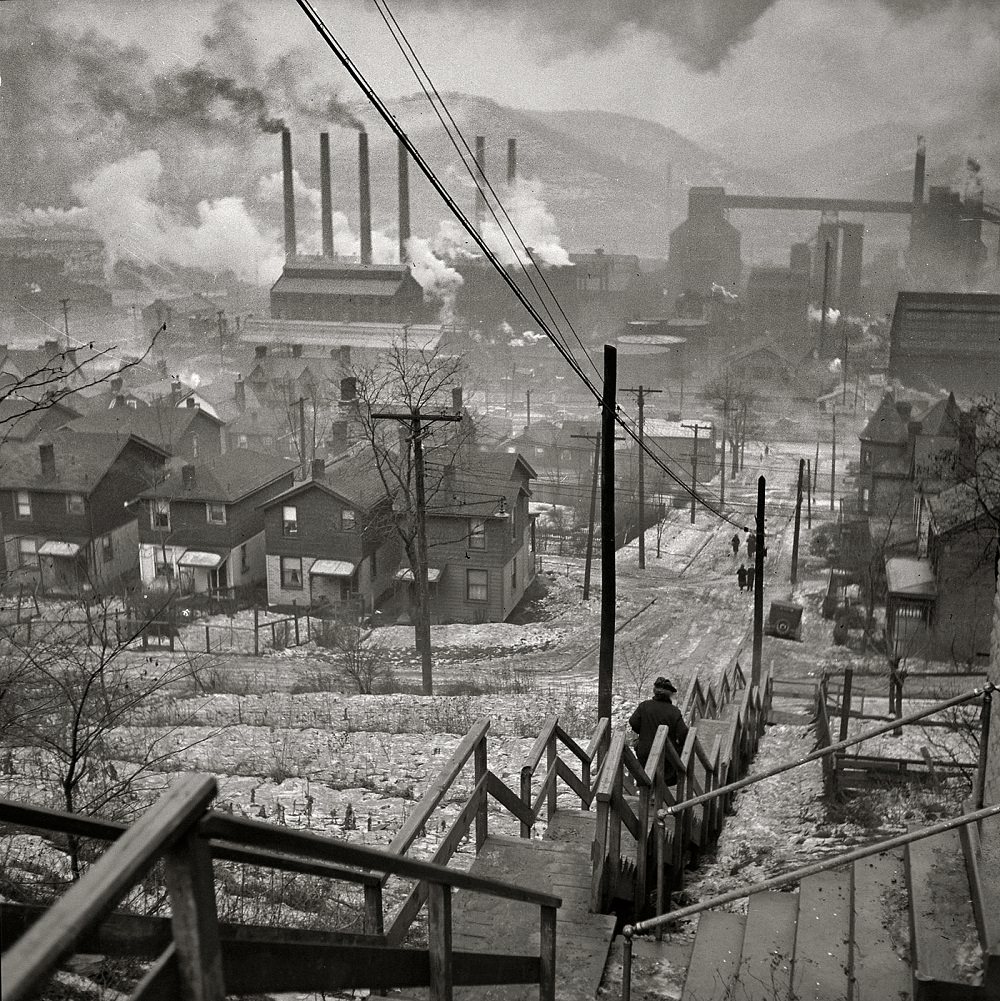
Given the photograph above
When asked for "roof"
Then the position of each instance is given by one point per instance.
(332, 568)
(657, 427)
(351, 479)
(225, 478)
(433, 574)
(476, 482)
(196, 304)
(763, 345)
(955, 507)
(886, 425)
(907, 575)
(200, 558)
(81, 459)
(328, 334)
(162, 425)
(945, 323)
(304, 265)
(387, 286)
(942, 419)
(21, 420)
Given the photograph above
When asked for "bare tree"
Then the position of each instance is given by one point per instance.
(410, 452)
(360, 657)
(736, 399)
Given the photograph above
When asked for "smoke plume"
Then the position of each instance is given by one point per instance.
(438, 280)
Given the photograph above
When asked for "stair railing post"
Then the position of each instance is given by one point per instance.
(547, 954)
(482, 815)
(642, 847)
(195, 923)
(374, 913)
(627, 968)
(551, 753)
(526, 798)
(585, 780)
(662, 901)
(439, 941)
(984, 744)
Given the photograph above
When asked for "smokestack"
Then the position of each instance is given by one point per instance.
(918, 172)
(286, 170)
(511, 161)
(364, 183)
(480, 178)
(404, 201)
(326, 208)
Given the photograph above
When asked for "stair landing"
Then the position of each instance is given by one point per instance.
(487, 924)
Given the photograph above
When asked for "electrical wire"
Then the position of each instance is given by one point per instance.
(475, 171)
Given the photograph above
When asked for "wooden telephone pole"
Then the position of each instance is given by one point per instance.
(642, 392)
(596, 439)
(758, 587)
(694, 462)
(798, 523)
(605, 667)
(417, 424)
(833, 460)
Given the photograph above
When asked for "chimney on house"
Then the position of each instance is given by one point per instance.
(480, 176)
(904, 408)
(175, 392)
(47, 459)
(51, 348)
(260, 351)
(456, 399)
(241, 393)
(116, 385)
(325, 195)
(364, 185)
(289, 192)
(404, 201)
(339, 439)
(318, 469)
(344, 355)
(187, 476)
(348, 389)
(511, 161)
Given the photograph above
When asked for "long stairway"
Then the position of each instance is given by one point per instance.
(561, 864)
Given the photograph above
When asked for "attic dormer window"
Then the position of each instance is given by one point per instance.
(477, 533)
(348, 521)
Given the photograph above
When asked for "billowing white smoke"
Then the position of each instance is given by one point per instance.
(816, 314)
(118, 200)
(438, 280)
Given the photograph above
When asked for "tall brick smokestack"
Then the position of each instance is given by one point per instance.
(511, 161)
(404, 201)
(364, 184)
(480, 178)
(289, 189)
(918, 172)
(326, 205)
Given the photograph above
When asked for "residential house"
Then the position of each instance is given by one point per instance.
(202, 526)
(185, 431)
(479, 539)
(63, 513)
(680, 447)
(25, 420)
(249, 422)
(330, 539)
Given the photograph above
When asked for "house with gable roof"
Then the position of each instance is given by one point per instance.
(202, 527)
(64, 512)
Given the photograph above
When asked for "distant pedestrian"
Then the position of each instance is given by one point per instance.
(654, 713)
(741, 576)
(751, 544)
(767, 451)
(736, 543)
(751, 574)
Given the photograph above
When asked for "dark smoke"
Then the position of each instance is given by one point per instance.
(192, 96)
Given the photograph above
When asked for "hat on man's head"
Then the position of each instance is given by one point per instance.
(663, 685)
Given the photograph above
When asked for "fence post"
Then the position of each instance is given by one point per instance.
(896, 696)
(482, 812)
(256, 631)
(845, 702)
(208, 641)
(295, 612)
(191, 886)
(439, 941)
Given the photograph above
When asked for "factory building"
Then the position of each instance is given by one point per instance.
(705, 248)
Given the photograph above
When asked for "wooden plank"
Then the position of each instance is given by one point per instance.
(506, 798)
(572, 780)
(821, 971)
(85, 903)
(941, 914)
(716, 956)
(547, 954)
(571, 745)
(765, 969)
(878, 971)
(195, 922)
(546, 732)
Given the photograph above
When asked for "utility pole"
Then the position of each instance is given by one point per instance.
(415, 421)
(843, 394)
(528, 393)
(694, 463)
(798, 524)
(596, 439)
(725, 421)
(833, 460)
(642, 392)
(221, 324)
(816, 467)
(65, 307)
(758, 587)
(809, 493)
(605, 669)
(826, 290)
(302, 436)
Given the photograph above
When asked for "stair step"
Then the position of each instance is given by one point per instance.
(879, 893)
(821, 971)
(943, 930)
(716, 956)
(768, 945)
(573, 829)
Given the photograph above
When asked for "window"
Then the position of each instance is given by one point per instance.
(107, 549)
(289, 520)
(194, 446)
(864, 499)
(159, 515)
(347, 521)
(241, 441)
(23, 504)
(244, 559)
(476, 585)
(291, 573)
(27, 553)
(162, 567)
(513, 527)
(74, 504)
(866, 458)
(477, 533)
(216, 513)
(134, 404)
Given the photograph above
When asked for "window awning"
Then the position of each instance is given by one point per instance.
(56, 548)
(196, 558)
(332, 568)
(433, 574)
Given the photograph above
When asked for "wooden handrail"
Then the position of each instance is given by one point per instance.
(30, 959)
(571, 745)
(603, 726)
(541, 742)
(305, 843)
